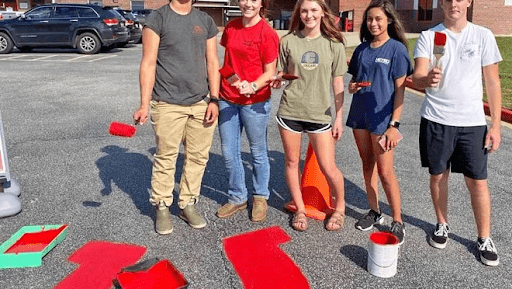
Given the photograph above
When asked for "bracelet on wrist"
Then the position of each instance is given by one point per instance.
(394, 124)
(254, 86)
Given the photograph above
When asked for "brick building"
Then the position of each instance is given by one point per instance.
(417, 15)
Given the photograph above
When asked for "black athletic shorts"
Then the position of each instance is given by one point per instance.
(462, 148)
(303, 126)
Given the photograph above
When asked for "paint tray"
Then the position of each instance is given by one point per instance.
(150, 274)
(28, 246)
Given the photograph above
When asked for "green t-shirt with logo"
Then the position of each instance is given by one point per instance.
(316, 61)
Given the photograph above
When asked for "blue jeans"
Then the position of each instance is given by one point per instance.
(233, 118)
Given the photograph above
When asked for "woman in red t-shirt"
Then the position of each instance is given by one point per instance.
(252, 48)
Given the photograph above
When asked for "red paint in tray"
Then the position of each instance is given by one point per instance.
(161, 275)
(35, 241)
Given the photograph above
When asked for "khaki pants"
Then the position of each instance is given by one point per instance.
(174, 124)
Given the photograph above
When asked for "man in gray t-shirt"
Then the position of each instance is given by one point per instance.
(179, 82)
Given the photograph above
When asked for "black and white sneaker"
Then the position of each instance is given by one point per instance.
(367, 221)
(439, 237)
(488, 252)
(398, 229)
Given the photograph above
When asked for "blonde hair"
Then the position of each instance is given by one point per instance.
(328, 26)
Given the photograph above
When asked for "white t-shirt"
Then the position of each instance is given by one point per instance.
(458, 99)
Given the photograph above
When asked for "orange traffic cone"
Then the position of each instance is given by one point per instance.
(315, 190)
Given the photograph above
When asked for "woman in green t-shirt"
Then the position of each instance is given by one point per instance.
(313, 50)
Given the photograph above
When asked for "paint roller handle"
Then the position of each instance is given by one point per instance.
(438, 60)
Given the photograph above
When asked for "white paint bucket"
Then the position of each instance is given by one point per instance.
(383, 254)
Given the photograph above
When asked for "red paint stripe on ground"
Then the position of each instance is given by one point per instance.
(99, 263)
(260, 263)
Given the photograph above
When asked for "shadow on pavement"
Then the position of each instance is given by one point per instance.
(356, 254)
(130, 172)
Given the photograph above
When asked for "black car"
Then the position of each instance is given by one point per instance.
(142, 14)
(132, 23)
(85, 27)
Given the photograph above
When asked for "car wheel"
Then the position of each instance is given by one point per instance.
(88, 43)
(122, 44)
(5, 43)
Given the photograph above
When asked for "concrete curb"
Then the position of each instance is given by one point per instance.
(506, 114)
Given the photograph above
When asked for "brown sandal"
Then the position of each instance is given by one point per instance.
(335, 222)
(300, 221)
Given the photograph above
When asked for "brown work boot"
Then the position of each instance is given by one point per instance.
(259, 209)
(163, 222)
(229, 209)
(190, 215)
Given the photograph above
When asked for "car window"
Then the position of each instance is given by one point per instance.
(111, 13)
(40, 13)
(87, 12)
(65, 12)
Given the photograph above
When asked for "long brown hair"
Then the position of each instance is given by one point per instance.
(264, 7)
(328, 25)
(395, 27)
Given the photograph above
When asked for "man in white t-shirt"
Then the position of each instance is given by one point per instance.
(453, 130)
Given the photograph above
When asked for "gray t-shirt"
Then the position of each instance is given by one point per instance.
(181, 63)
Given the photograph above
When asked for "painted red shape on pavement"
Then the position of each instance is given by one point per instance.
(99, 262)
(260, 263)
(161, 275)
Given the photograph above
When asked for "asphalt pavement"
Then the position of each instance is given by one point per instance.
(56, 111)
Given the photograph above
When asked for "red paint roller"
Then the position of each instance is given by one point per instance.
(229, 74)
(439, 49)
(289, 77)
(122, 129)
(363, 83)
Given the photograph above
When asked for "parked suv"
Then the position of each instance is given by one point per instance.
(132, 23)
(142, 14)
(85, 27)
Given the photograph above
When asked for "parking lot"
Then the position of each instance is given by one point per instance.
(49, 57)
(56, 106)
(66, 55)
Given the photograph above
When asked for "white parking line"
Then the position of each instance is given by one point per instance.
(83, 56)
(13, 57)
(44, 57)
(55, 58)
(110, 56)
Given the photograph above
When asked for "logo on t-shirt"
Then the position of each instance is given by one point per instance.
(198, 29)
(469, 51)
(309, 60)
(382, 60)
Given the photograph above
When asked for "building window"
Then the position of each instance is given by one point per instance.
(137, 5)
(425, 9)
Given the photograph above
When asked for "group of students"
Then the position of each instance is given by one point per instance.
(187, 96)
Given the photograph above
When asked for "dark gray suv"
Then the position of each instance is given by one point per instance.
(85, 27)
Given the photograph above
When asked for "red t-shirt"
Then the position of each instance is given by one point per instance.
(248, 49)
